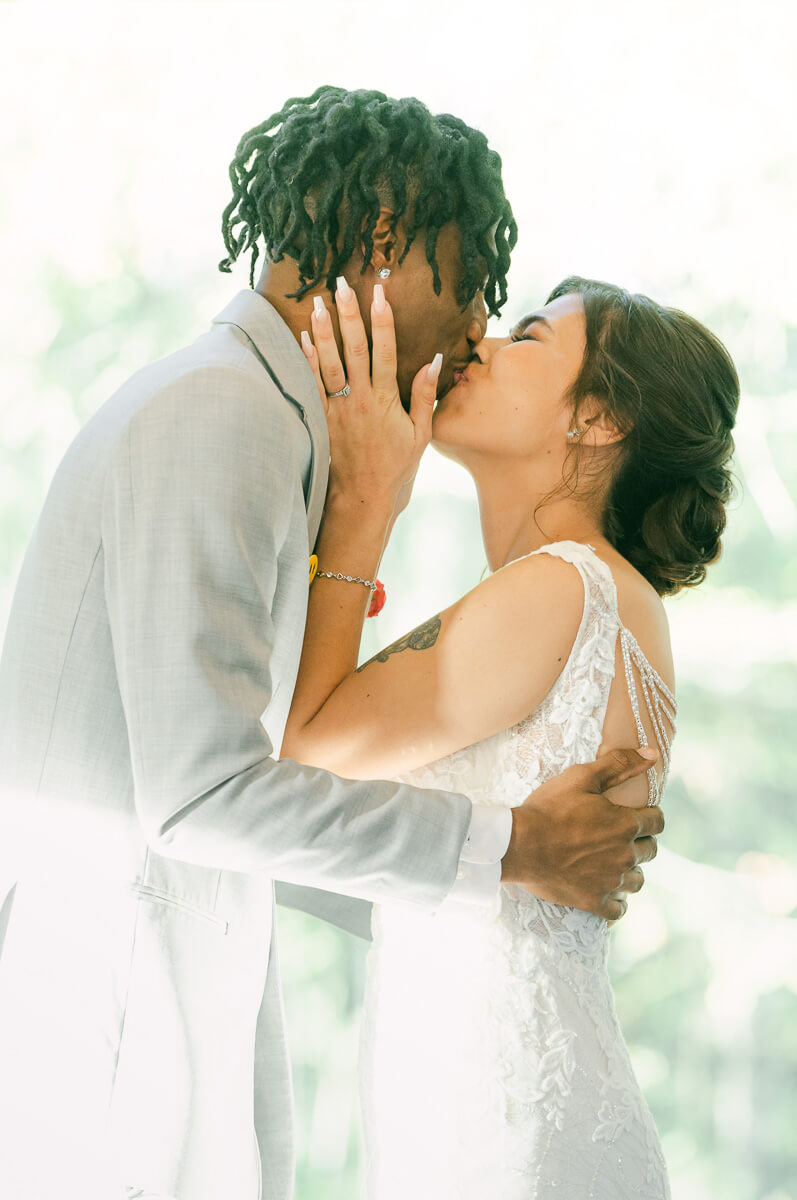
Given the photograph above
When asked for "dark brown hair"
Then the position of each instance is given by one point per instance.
(291, 174)
(670, 388)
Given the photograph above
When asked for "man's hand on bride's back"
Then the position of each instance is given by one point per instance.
(572, 845)
(375, 445)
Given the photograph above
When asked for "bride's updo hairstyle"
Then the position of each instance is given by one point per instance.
(670, 388)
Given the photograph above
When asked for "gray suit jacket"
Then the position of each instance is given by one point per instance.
(145, 682)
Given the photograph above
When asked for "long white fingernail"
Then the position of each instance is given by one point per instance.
(307, 345)
(344, 291)
(380, 303)
(434, 368)
(320, 308)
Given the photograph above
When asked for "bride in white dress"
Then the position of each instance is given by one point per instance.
(598, 437)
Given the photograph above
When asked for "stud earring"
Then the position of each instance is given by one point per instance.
(384, 273)
(575, 433)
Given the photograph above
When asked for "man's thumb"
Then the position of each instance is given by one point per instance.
(616, 766)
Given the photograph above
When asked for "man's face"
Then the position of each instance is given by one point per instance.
(427, 324)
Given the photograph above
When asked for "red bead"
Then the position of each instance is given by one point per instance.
(377, 600)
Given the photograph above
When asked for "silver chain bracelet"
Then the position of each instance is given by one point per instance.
(348, 579)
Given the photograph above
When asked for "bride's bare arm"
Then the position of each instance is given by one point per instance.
(375, 450)
(479, 667)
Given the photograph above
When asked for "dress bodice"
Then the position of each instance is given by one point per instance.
(551, 1069)
(567, 727)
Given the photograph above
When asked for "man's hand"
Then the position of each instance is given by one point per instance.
(570, 844)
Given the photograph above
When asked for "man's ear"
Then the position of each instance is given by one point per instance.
(385, 252)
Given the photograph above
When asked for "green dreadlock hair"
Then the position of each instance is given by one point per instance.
(348, 152)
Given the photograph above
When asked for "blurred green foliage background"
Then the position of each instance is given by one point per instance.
(651, 145)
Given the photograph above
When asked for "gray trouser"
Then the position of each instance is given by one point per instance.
(135, 1193)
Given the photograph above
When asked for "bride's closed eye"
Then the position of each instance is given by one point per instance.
(527, 329)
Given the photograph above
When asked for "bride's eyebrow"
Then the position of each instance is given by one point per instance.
(532, 319)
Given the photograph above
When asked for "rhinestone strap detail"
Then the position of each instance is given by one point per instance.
(660, 703)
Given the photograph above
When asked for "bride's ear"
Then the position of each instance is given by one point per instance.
(599, 430)
(384, 253)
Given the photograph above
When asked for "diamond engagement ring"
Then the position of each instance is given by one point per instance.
(344, 391)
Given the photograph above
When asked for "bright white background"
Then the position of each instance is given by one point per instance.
(650, 144)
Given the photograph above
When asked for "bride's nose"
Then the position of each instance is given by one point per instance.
(486, 349)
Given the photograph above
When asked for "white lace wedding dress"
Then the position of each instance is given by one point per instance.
(492, 1063)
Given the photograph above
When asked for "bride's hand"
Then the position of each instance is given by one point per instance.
(376, 446)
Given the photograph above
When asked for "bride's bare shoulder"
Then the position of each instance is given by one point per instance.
(534, 595)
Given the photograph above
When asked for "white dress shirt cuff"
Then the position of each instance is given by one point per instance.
(486, 843)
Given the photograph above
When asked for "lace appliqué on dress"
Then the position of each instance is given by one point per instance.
(546, 1100)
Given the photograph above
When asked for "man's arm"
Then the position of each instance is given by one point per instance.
(197, 514)
(376, 447)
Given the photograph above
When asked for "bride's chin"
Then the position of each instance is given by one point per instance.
(446, 450)
(443, 442)
(447, 419)
(440, 434)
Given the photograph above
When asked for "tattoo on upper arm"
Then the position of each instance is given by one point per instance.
(422, 638)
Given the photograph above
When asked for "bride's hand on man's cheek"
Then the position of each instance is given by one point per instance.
(376, 446)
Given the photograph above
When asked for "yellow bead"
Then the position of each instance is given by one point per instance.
(313, 566)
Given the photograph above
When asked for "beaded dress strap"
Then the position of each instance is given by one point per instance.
(659, 699)
(660, 703)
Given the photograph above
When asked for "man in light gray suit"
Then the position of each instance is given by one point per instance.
(147, 674)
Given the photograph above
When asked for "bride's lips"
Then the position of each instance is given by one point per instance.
(461, 376)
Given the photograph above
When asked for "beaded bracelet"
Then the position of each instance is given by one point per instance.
(376, 588)
(348, 578)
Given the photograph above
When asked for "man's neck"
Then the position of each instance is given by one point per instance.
(277, 281)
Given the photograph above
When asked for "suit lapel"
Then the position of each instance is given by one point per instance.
(283, 360)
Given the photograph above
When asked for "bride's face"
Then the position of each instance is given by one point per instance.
(513, 401)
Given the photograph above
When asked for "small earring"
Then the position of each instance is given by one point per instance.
(384, 273)
(575, 433)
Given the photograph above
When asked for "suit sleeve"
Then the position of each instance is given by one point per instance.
(196, 512)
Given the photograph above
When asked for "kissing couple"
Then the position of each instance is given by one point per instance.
(183, 720)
